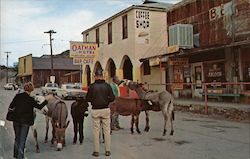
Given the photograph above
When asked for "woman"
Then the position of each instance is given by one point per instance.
(23, 105)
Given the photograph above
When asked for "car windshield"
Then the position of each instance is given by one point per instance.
(52, 85)
(72, 87)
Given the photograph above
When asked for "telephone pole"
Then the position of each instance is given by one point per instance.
(50, 32)
(7, 76)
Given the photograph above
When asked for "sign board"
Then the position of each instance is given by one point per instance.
(179, 61)
(172, 49)
(80, 61)
(142, 26)
(154, 61)
(83, 52)
(220, 11)
(52, 79)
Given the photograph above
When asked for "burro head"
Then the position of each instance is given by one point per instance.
(60, 135)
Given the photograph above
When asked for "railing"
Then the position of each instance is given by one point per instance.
(205, 91)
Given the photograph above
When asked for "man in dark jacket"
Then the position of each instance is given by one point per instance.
(23, 105)
(100, 95)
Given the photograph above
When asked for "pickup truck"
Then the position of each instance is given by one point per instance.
(49, 87)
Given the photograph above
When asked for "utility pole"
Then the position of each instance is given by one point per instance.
(7, 76)
(50, 32)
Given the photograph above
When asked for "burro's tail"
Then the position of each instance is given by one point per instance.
(171, 107)
(173, 115)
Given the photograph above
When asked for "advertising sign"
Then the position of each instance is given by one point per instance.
(142, 26)
(83, 53)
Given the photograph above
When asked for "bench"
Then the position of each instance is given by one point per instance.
(220, 96)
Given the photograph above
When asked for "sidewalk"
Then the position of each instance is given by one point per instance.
(226, 105)
(225, 110)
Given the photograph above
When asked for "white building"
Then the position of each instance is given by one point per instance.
(135, 33)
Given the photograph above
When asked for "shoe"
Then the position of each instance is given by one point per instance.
(96, 154)
(107, 153)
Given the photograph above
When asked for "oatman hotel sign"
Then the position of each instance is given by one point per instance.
(83, 53)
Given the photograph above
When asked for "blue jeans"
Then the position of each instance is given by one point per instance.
(21, 133)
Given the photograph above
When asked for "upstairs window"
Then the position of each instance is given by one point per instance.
(110, 33)
(124, 27)
(87, 37)
(97, 37)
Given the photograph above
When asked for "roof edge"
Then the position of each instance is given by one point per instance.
(125, 11)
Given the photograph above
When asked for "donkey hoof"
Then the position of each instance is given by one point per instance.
(146, 129)
(37, 151)
(172, 133)
(164, 132)
(138, 131)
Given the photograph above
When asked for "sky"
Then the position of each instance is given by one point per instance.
(23, 23)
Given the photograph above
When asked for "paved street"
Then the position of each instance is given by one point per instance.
(196, 137)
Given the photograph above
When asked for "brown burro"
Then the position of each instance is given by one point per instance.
(129, 106)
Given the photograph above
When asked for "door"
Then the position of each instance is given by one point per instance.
(197, 79)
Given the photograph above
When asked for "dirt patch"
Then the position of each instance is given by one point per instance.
(231, 114)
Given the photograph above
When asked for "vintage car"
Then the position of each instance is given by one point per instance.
(70, 91)
(50, 87)
(10, 86)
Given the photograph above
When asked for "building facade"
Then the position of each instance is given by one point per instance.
(126, 37)
(38, 70)
(219, 51)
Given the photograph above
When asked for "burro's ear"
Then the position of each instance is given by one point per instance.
(67, 124)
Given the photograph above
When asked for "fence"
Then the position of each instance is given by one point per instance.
(238, 92)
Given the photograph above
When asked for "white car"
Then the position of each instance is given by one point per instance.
(10, 86)
(70, 91)
(49, 87)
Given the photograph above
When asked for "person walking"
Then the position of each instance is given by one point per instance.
(100, 94)
(115, 88)
(22, 105)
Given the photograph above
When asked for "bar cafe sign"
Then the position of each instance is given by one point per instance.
(83, 53)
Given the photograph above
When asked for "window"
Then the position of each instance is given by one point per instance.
(110, 33)
(87, 37)
(146, 68)
(124, 27)
(97, 37)
(24, 63)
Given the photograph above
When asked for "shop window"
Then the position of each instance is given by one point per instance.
(146, 68)
(110, 33)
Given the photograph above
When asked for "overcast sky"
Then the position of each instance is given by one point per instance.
(23, 23)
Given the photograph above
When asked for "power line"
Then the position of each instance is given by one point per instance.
(25, 41)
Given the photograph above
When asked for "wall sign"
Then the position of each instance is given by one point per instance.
(142, 26)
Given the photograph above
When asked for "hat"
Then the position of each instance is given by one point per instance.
(98, 72)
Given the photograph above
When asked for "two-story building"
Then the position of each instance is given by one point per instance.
(136, 32)
(218, 50)
(38, 70)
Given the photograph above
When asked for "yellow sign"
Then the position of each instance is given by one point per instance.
(154, 61)
(172, 49)
(80, 61)
(87, 52)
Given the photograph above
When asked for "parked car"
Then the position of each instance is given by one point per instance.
(70, 91)
(50, 87)
(10, 86)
